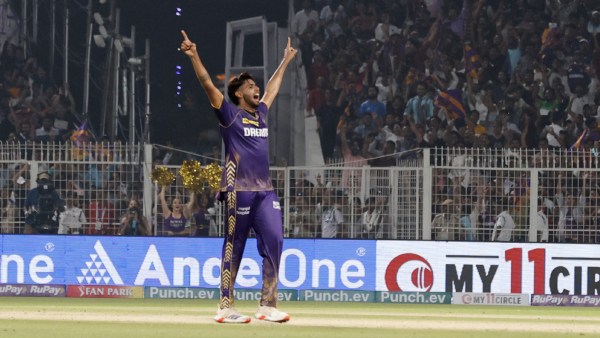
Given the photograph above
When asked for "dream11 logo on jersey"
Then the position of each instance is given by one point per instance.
(409, 272)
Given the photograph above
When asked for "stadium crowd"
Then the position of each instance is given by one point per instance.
(385, 78)
(401, 75)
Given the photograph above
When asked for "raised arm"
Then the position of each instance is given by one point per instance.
(214, 95)
(275, 80)
(188, 208)
(163, 203)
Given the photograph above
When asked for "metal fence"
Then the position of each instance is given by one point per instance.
(96, 180)
(448, 194)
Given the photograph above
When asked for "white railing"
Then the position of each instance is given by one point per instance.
(445, 194)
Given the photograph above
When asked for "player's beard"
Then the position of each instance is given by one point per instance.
(251, 101)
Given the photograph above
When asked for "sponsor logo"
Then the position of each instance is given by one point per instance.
(414, 297)
(99, 269)
(243, 211)
(256, 295)
(46, 290)
(248, 121)
(565, 300)
(103, 291)
(470, 298)
(276, 205)
(337, 296)
(32, 290)
(256, 132)
(203, 293)
(585, 300)
(12, 290)
(180, 293)
(409, 272)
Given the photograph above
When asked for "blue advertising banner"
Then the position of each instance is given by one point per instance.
(180, 262)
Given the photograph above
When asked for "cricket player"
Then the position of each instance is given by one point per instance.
(246, 184)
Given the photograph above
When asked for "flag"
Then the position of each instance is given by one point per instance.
(581, 139)
(472, 62)
(549, 38)
(451, 101)
(80, 137)
(81, 134)
(343, 118)
(588, 134)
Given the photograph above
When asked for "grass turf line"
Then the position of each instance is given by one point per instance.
(71, 317)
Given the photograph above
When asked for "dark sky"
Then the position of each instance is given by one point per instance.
(205, 23)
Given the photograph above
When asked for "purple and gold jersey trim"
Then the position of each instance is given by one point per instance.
(246, 142)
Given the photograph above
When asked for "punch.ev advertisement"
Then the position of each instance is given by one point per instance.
(91, 260)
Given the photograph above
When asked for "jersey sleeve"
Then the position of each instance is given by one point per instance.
(225, 114)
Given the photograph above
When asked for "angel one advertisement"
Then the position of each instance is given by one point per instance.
(365, 265)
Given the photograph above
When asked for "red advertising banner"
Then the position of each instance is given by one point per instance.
(104, 291)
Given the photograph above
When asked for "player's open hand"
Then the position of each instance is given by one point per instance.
(289, 51)
(187, 46)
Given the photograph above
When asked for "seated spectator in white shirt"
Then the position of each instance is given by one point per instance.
(47, 132)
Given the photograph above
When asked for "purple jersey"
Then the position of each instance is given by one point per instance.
(174, 224)
(246, 148)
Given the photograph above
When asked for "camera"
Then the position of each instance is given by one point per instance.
(133, 211)
(45, 217)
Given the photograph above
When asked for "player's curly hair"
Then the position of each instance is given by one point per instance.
(235, 84)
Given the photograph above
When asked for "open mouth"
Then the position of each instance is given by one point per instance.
(256, 96)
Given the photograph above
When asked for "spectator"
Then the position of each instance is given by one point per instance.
(385, 28)
(352, 158)
(204, 224)
(372, 106)
(385, 89)
(24, 133)
(505, 224)
(305, 24)
(305, 19)
(445, 224)
(100, 214)
(384, 157)
(332, 218)
(420, 107)
(47, 132)
(318, 69)
(373, 219)
(302, 222)
(133, 222)
(328, 117)
(571, 210)
(176, 221)
(72, 219)
(540, 223)
(316, 97)
(362, 24)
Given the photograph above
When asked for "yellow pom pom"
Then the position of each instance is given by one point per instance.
(163, 176)
(212, 175)
(191, 173)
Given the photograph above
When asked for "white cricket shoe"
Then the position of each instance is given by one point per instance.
(271, 314)
(231, 315)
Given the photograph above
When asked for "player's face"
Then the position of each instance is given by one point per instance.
(250, 93)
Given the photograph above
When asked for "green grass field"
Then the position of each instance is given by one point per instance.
(111, 318)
